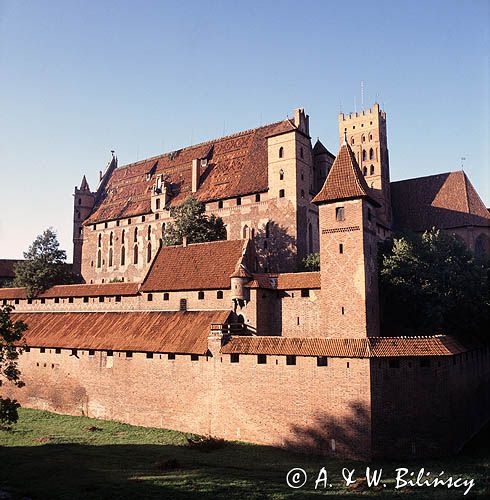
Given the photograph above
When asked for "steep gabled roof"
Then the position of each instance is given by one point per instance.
(443, 201)
(286, 281)
(163, 331)
(200, 266)
(345, 180)
(237, 165)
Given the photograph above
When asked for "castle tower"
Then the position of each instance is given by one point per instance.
(366, 134)
(83, 203)
(348, 248)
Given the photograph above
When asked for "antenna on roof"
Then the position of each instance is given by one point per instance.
(362, 95)
(463, 158)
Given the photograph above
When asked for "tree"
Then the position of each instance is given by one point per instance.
(11, 335)
(44, 265)
(430, 284)
(311, 262)
(191, 221)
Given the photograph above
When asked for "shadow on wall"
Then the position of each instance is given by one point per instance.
(275, 248)
(346, 435)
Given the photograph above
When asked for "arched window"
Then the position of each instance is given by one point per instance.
(364, 171)
(110, 257)
(123, 256)
(371, 154)
(352, 141)
(371, 170)
(135, 234)
(219, 294)
(281, 152)
(148, 252)
(111, 238)
(100, 240)
(363, 138)
(281, 174)
(364, 156)
(123, 236)
(157, 204)
(370, 137)
(245, 231)
(310, 238)
(99, 259)
(267, 230)
(149, 232)
(135, 254)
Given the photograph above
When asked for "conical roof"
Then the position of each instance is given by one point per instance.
(84, 185)
(345, 180)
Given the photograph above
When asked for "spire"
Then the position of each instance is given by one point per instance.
(344, 142)
(345, 180)
(84, 185)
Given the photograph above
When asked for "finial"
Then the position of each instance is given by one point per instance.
(112, 151)
(344, 142)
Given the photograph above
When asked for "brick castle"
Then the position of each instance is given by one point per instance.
(223, 338)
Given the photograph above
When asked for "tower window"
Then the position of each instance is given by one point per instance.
(99, 259)
(290, 360)
(111, 239)
(100, 240)
(219, 294)
(343, 310)
(339, 214)
(281, 152)
(371, 154)
(149, 232)
(123, 235)
(352, 141)
(372, 170)
(135, 238)
(364, 171)
(157, 204)
(200, 295)
(143, 218)
(341, 248)
(135, 254)
(364, 155)
(105, 225)
(281, 174)
(281, 193)
(363, 138)
(370, 137)
(129, 222)
(166, 296)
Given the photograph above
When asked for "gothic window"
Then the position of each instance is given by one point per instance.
(100, 240)
(99, 259)
(371, 154)
(363, 138)
(339, 214)
(281, 152)
(149, 232)
(352, 141)
(148, 252)
(135, 254)
(135, 239)
(371, 170)
(123, 236)
(364, 171)
(110, 257)
(245, 231)
(157, 204)
(123, 256)
(111, 239)
(370, 137)
(364, 156)
(281, 174)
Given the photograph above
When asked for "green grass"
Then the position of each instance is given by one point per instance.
(50, 456)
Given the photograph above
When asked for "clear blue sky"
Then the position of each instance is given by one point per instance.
(78, 79)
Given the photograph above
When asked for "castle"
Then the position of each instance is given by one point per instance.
(223, 338)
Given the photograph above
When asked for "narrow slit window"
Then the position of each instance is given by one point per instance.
(341, 248)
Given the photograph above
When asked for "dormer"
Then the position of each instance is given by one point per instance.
(160, 194)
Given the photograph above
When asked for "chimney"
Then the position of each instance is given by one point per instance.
(196, 174)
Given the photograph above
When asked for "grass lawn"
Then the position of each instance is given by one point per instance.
(52, 456)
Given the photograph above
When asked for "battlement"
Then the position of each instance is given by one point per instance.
(375, 110)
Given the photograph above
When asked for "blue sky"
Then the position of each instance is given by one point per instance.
(78, 79)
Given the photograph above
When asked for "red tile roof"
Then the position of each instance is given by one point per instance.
(345, 348)
(179, 332)
(345, 180)
(286, 281)
(443, 201)
(107, 289)
(237, 165)
(200, 266)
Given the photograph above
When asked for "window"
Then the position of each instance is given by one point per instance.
(74, 352)
(245, 231)
(149, 355)
(341, 248)
(43, 301)
(149, 297)
(105, 225)
(85, 300)
(110, 257)
(238, 201)
(56, 300)
(342, 310)
(301, 153)
(135, 254)
(261, 359)
(200, 295)
(166, 296)
(17, 301)
(371, 154)
(364, 171)
(339, 214)
(322, 361)
(281, 152)
(363, 138)
(305, 292)
(123, 256)
(281, 174)
(42, 350)
(364, 155)
(27, 349)
(99, 241)
(157, 203)
(101, 298)
(171, 355)
(157, 216)
(70, 300)
(257, 197)
(281, 193)
(57, 350)
(290, 360)
(220, 204)
(118, 298)
(135, 237)
(194, 357)
(371, 170)
(123, 236)
(111, 239)
(99, 259)
(91, 352)
(370, 137)
(143, 218)
(352, 141)
(129, 222)
(234, 358)
(219, 294)
(148, 252)
(110, 353)
(183, 305)
(129, 354)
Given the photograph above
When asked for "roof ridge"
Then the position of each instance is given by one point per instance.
(204, 143)
(426, 176)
